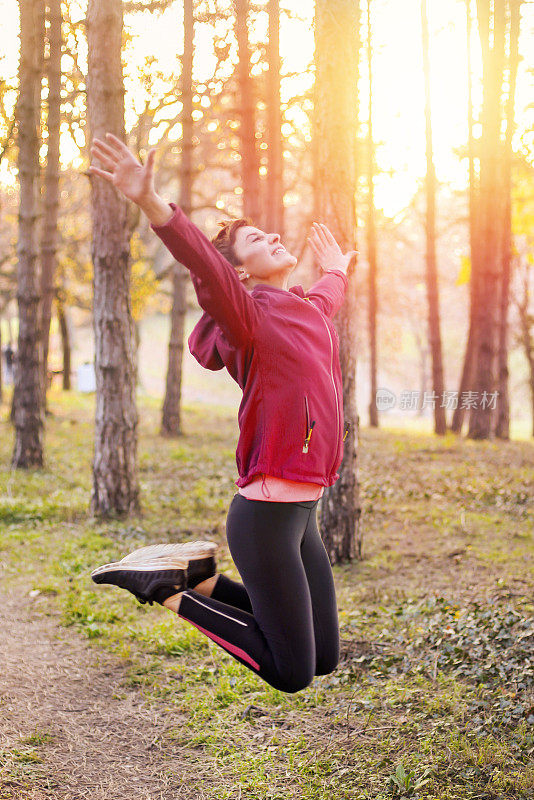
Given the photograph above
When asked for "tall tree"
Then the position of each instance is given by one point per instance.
(526, 325)
(434, 323)
(337, 43)
(274, 200)
(371, 231)
(502, 425)
(51, 194)
(27, 407)
(171, 413)
(467, 369)
(250, 165)
(115, 485)
(491, 25)
(65, 338)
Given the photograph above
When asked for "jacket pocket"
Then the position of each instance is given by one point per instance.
(309, 425)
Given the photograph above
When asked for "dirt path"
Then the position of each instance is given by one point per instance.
(105, 741)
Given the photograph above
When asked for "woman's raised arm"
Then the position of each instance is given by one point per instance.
(219, 290)
(129, 176)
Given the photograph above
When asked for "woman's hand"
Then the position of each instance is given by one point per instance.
(327, 251)
(134, 180)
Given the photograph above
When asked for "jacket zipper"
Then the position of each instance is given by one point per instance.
(309, 428)
(331, 374)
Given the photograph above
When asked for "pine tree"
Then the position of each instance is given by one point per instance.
(440, 425)
(115, 485)
(171, 413)
(337, 44)
(27, 398)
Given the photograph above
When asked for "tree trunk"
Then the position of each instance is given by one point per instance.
(1, 365)
(51, 195)
(115, 486)
(171, 424)
(371, 233)
(65, 342)
(274, 206)
(28, 416)
(467, 369)
(247, 130)
(526, 321)
(529, 351)
(422, 346)
(434, 321)
(502, 427)
(337, 44)
(489, 218)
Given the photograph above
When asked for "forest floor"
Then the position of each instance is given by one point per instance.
(103, 698)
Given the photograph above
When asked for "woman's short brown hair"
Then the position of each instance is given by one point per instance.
(224, 241)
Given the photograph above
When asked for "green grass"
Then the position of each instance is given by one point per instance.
(433, 697)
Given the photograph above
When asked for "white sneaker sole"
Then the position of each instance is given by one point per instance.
(187, 551)
(153, 565)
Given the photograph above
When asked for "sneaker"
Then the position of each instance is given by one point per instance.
(148, 579)
(200, 557)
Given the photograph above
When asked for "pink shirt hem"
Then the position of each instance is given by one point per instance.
(280, 490)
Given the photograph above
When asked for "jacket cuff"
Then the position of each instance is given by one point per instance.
(177, 213)
(338, 272)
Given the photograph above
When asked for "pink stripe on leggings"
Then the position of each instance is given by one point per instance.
(227, 646)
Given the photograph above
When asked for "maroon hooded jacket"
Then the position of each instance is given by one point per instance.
(281, 347)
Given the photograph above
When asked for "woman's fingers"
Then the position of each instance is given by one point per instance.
(105, 159)
(316, 245)
(325, 235)
(317, 252)
(328, 235)
(324, 238)
(103, 174)
(321, 239)
(314, 249)
(118, 144)
(102, 147)
(319, 233)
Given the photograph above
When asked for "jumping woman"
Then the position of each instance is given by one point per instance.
(281, 347)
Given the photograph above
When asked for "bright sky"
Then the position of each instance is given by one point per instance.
(398, 78)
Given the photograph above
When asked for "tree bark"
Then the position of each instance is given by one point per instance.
(115, 486)
(171, 424)
(526, 322)
(371, 234)
(274, 206)
(467, 369)
(502, 426)
(51, 194)
(337, 45)
(422, 347)
(489, 218)
(65, 342)
(27, 407)
(1, 365)
(434, 320)
(247, 130)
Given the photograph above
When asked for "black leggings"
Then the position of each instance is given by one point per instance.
(282, 623)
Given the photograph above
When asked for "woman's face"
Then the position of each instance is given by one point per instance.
(261, 255)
